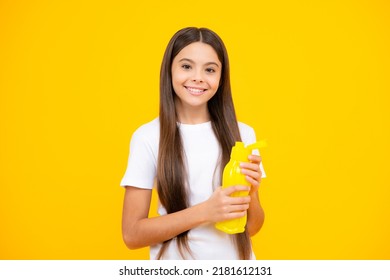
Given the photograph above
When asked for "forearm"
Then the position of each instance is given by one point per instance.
(255, 215)
(149, 231)
(140, 231)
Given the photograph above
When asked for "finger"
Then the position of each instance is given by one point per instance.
(255, 158)
(252, 181)
(234, 215)
(249, 165)
(254, 174)
(238, 208)
(239, 200)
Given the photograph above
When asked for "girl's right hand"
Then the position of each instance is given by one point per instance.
(221, 206)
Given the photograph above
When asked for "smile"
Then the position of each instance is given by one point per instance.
(195, 91)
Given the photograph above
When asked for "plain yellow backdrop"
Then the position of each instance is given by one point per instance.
(78, 77)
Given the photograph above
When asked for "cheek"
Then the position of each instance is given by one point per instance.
(178, 77)
(177, 82)
(214, 83)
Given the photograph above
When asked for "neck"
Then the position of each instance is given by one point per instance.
(193, 115)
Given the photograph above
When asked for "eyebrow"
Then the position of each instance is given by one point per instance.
(191, 61)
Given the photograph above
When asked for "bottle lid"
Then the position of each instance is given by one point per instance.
(241, 153)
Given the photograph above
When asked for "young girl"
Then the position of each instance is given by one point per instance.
(183, 153)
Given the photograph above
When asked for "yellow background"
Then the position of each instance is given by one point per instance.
(78, 77)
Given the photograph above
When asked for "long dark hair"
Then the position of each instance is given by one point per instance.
(171, 171)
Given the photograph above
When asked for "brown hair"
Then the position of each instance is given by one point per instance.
(171, 171)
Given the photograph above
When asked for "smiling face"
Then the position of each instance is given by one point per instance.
(196, 72)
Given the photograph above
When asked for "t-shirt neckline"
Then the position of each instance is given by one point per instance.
(196, 125)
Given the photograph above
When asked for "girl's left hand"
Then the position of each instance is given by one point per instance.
(252, 172)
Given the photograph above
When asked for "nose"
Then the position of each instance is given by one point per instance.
(197, 78)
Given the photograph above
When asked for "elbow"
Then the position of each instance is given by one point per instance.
(254, 230)
(131, 241)
(254, 226)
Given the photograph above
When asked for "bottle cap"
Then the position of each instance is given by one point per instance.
(257, 145)
(241, 153)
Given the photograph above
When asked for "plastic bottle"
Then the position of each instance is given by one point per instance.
(232, 176)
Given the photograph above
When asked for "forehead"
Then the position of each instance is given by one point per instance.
(199, 53)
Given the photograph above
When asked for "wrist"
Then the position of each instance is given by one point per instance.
(199, 213)
(253, 192)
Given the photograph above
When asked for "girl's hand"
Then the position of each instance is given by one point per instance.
(221, 206)
(252, 171)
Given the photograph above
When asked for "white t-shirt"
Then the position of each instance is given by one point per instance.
(202, 152)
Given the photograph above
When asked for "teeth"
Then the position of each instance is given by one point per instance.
(195, 90)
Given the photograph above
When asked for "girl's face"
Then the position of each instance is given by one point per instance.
(196, 72)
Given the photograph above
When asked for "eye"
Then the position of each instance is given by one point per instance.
(186, 66)
(210, 70)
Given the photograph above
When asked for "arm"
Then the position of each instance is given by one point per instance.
(255, 212)
(139, 231)
(255, 215)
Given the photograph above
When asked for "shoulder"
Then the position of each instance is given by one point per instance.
(147, 133)
(149, 129)
(247, 133)
(244, 127)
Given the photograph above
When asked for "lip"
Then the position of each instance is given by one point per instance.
(195, 90)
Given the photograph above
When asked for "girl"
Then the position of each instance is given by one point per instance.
(183, 152)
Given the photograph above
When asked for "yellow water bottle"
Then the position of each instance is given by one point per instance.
(232, 176)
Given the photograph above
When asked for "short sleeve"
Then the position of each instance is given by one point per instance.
(248, 136)
(141, 165)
